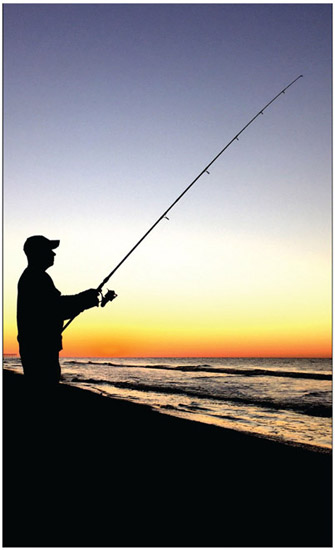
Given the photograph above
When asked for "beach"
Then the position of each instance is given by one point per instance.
(84, 470)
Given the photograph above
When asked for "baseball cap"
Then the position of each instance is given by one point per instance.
(38, 243)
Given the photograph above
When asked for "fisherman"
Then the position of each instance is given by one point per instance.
(41, 310)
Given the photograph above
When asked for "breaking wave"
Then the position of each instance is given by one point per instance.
(313, 375)
(311, 409)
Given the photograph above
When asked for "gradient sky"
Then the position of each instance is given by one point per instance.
(111, 110)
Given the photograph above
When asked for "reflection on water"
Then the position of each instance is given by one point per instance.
(286, 399)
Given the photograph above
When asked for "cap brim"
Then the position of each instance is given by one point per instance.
(54, 244)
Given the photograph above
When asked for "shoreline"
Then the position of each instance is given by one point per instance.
(286, 443)
(82, 469)
(277, 440)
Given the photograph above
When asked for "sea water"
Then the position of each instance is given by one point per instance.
(289, 400)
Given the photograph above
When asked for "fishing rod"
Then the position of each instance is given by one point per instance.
(110, 293)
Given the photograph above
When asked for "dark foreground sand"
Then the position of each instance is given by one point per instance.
(103, 472)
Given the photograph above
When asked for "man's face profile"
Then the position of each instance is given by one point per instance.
(43, 258)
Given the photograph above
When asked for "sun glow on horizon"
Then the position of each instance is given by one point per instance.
(242, 303)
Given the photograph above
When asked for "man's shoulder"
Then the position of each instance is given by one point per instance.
(35, 278)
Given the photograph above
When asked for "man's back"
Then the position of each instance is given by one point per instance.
(39, 317)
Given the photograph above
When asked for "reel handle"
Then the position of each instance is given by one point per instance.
(109, 297)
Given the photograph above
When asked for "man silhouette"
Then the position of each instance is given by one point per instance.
(41, 310)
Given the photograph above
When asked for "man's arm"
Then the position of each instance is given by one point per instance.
(71, 306)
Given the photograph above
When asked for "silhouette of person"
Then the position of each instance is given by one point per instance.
(41, 310)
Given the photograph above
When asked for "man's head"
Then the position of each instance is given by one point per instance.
(39, 251)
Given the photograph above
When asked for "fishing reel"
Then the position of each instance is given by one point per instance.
(109, 297)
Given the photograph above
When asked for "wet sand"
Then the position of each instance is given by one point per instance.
(83, 470)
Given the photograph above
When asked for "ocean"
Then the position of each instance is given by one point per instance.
(288, 400)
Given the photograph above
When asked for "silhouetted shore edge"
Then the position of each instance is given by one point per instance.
(195, 483)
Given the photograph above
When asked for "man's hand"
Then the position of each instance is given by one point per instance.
(89, 298)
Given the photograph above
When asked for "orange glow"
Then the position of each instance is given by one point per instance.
(143, 333)
(159, 342)
(241, 308)
(133, 345)
(111, 334)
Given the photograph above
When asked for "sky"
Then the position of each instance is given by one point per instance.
(111, 110)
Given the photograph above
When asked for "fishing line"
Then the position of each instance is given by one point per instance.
(111, 294)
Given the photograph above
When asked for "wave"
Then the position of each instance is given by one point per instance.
(311, 409)
(313, 375)
(259, 372)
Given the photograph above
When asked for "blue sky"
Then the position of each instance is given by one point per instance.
(111, 110)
